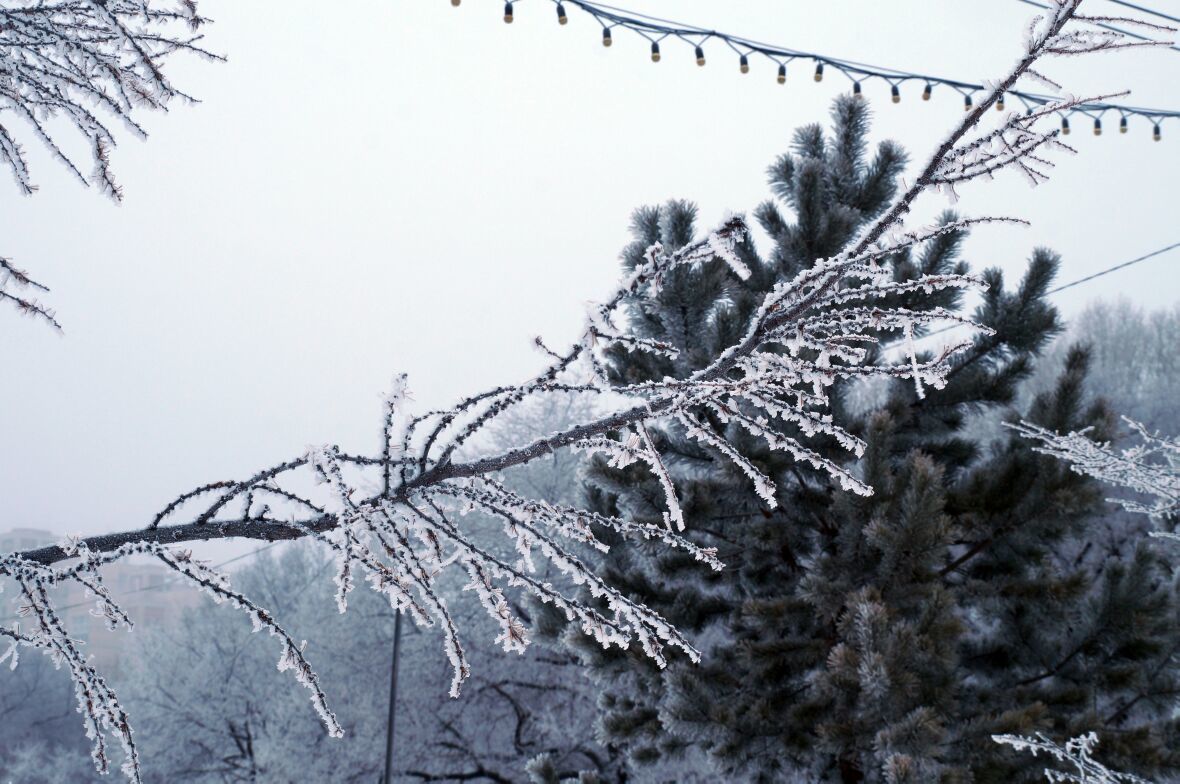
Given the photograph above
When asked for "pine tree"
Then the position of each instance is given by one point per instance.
(885, 638)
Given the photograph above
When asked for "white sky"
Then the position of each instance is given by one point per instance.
(398, 185)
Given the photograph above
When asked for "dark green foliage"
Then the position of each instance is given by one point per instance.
(880, 639)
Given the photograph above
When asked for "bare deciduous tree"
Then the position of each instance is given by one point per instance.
(397, 518)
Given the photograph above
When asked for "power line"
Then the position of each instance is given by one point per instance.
(1109, 270)
(1146, 11)
(1119, 30)
(656, 29)
(1077, 282)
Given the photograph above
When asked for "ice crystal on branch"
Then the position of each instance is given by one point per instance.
(14, 284)
(88, 63)
(1076, 755)
(399, 519)
(1151, 467)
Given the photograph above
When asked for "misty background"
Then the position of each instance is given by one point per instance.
(405, 186)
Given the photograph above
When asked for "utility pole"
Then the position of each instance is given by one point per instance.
(397, 636)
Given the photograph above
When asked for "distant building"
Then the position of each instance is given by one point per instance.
(148, 592)
(24, 539)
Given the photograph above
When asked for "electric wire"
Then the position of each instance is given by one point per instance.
(1078, 282)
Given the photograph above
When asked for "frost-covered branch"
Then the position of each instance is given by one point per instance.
(1076, 755)
(1151, 467)
(15, 286)
(400, 519)
(90, 65)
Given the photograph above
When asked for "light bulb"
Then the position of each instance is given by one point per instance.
(744, 63)
(1097, 127)
(1065, 126)
(508, 13)
(967, 103)
(561, 17)
(655, 52)
(896, 94)
(1123, 125)
(926, 92)
(782, 74)
(700, 56)
(455, 3)
(856, 89)
(1155, 132)
(819, 72)
(606, 36)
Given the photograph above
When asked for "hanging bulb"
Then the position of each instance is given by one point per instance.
(926, 92)
(1097, 127)
(606, 36)
(856, 89)
(655, 52)
(508, 13)
(967, 103)
(1123, 125)
(1065, 126)
(782, 74)
(896, 94)
(1155, 132)
(744, 63)
(700, 56)
(1000, 103)
(455, 3)
(819, 72)
(561, 17)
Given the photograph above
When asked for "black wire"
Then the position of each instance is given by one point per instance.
(1073, 283)
(1119, 30)
(1109, 270)
(1146, 11)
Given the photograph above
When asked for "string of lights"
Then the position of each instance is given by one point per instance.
(657, 31)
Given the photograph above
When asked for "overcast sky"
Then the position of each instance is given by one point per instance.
(399, 185)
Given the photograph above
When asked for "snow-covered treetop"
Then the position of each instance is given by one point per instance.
(397, 519)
